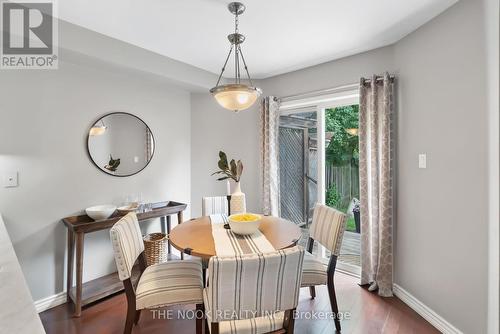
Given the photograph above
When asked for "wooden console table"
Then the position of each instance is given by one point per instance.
(83, 294)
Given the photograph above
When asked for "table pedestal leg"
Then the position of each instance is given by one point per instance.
(165, 229)
(168, 232)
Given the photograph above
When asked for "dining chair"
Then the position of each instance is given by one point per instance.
(170, 283)
(215, 205)
(327, 229)
(253, 293)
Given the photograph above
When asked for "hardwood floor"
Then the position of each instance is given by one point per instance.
(367, 312)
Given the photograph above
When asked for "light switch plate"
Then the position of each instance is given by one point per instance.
(422, 161)
(10, 180)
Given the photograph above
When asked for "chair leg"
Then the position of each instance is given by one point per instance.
(312, 291)
(137, 316)
(331, 292)
(207, 330)
(131, 311)
(214, 328)
(199, 318)
(289, 323)
(333, 302)
(129, 323)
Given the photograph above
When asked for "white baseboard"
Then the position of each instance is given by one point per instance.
(50, 302)
(427, 313)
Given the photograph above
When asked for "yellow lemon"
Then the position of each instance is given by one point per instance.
(245, 217)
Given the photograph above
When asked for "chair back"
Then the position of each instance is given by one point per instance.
(328, 226)
(127, 243)
(214, 205)
(253, 285)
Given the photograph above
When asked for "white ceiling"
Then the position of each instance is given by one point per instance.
(282, 35)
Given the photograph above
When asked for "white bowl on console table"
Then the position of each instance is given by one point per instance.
(245, 223)
(100, 212)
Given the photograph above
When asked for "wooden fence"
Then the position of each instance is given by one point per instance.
(346, 179)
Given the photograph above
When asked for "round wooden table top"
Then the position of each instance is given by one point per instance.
(196, 234)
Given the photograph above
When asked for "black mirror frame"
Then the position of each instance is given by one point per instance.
(121, 113)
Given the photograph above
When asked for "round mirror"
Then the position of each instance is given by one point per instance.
(120, 144)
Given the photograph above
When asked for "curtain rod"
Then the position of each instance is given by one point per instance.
(379, 78)
(332, 90)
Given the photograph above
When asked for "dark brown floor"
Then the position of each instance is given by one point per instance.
(368, 314)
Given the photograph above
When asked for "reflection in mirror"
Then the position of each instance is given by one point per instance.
(120, 144)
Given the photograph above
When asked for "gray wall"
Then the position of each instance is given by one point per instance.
(213, 129)
(441, 223)
(45, 116)
(492, 13)
(344, 71)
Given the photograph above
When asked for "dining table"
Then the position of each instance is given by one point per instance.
(207, 236)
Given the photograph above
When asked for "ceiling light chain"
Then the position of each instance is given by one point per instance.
(236, 55)
(246, 67)
(225, 63)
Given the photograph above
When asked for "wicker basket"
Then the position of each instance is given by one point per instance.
(155, 248)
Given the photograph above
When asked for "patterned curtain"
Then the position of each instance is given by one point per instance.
(375, 172)
(269, 147)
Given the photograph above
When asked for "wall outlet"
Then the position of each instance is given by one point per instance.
(9, 180)
(422, 161)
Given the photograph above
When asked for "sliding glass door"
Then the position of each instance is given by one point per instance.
(341, 182)
(319, 164)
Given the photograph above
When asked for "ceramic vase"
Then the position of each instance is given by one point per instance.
(238, 202)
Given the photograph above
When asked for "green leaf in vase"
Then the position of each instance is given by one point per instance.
(222, 161)
(233, 168)
(239, 169)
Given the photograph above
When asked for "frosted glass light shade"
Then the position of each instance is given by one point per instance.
(235, 97)
(97, 130)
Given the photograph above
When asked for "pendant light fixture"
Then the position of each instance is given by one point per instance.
(236, 96)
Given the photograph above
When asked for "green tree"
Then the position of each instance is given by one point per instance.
(332, 197)
(343, 147)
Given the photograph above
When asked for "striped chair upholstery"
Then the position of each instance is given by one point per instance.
(248, 293)
(170, 283)
(313, 271)
(163, 284)
(214, 205)
(127, 244)
(328, 226)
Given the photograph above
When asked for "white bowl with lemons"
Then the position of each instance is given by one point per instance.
(245, 223)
